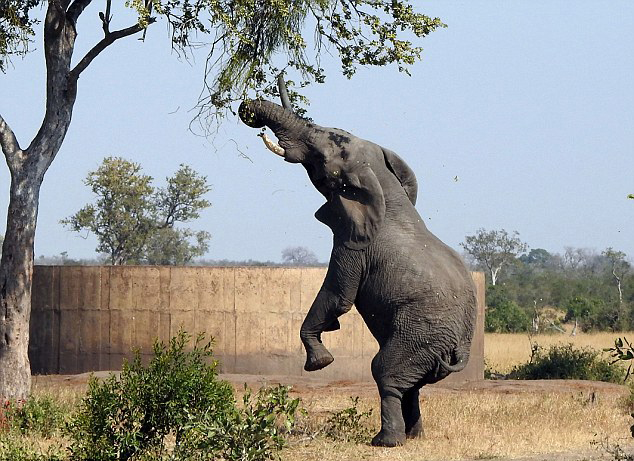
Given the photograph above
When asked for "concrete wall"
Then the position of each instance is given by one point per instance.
(89, 318)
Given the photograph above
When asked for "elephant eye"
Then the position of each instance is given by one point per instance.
(336, 173)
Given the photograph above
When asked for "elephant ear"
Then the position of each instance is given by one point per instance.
(356, 211)
(403, 172)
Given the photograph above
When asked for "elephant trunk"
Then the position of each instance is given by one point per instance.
(286, 125)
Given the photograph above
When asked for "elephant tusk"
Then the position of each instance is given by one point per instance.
(272, 145)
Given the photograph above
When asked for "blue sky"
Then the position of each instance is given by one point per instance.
(529, 104)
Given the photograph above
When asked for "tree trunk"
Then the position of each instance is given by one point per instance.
(16, 272)
(27, 169)
(494, 275)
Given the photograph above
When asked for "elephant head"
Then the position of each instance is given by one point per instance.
(354, 175)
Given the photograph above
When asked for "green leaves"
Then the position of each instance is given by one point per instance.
(249, 37)
(16, 28)
(350, 424)
(623, 351)
(564, 361)
(132, 415)
(134, 222)
(249, 43)
(254, 432)
(494, 249)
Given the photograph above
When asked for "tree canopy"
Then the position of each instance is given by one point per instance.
(298, 256)
(243, 38)
(134, 222)
(494, 249)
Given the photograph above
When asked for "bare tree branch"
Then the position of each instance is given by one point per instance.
(8, 142)
(108, 40)
(75, 9)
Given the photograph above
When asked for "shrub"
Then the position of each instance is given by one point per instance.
(255, 432)
(592, 314)
(349, 424)
(133, 414)
(566, 362)
(507, 317)
(41, 415)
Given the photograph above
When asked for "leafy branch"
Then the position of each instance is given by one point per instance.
(623, 351)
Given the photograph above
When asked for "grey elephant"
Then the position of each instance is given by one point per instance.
(413, 292)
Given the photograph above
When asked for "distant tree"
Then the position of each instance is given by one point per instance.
(582, 262)
(171, 247)
(619, 267)
(538, 258)
(504, 315)
(584, 311)
(134, 222)
(298, 256)
(494, 249)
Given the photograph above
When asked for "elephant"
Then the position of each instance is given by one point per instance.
(413, 292)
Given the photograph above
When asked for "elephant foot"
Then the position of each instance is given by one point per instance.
(316, 360)
(416, 431)
(388, 439)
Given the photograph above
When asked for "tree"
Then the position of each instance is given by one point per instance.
(538, 258)
(298, 256)
(618, 267)
(1, 242)
(494, 249)
(503, 315)
(134, 223)
(245, 39)
(172, 247)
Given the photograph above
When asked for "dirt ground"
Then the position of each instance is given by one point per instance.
(306, 387)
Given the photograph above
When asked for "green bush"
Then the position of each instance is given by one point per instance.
(503, 315)
(593, 314)
(133, 414)
(349, 424)
(255, 432)
(507, 317)
(566, 362)
(41, 415)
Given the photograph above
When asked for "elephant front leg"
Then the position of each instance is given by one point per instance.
(321, 317)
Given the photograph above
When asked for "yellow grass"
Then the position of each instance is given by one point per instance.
(483, 425)
(503, 351)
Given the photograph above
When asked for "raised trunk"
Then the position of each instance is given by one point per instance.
(285, 124)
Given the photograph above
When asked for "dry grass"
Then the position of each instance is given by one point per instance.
(463, 425)
(503, 351)
(482, 425)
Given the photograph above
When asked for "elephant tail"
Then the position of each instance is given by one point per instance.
(459, 366)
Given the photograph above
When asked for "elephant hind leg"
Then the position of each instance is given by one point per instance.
(392, 431)
(411, 414)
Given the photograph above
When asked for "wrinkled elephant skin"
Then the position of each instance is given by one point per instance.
(413, 292)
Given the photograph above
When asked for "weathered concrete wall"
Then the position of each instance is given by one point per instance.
(89, 318)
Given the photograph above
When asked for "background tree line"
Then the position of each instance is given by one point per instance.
(541, 291)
